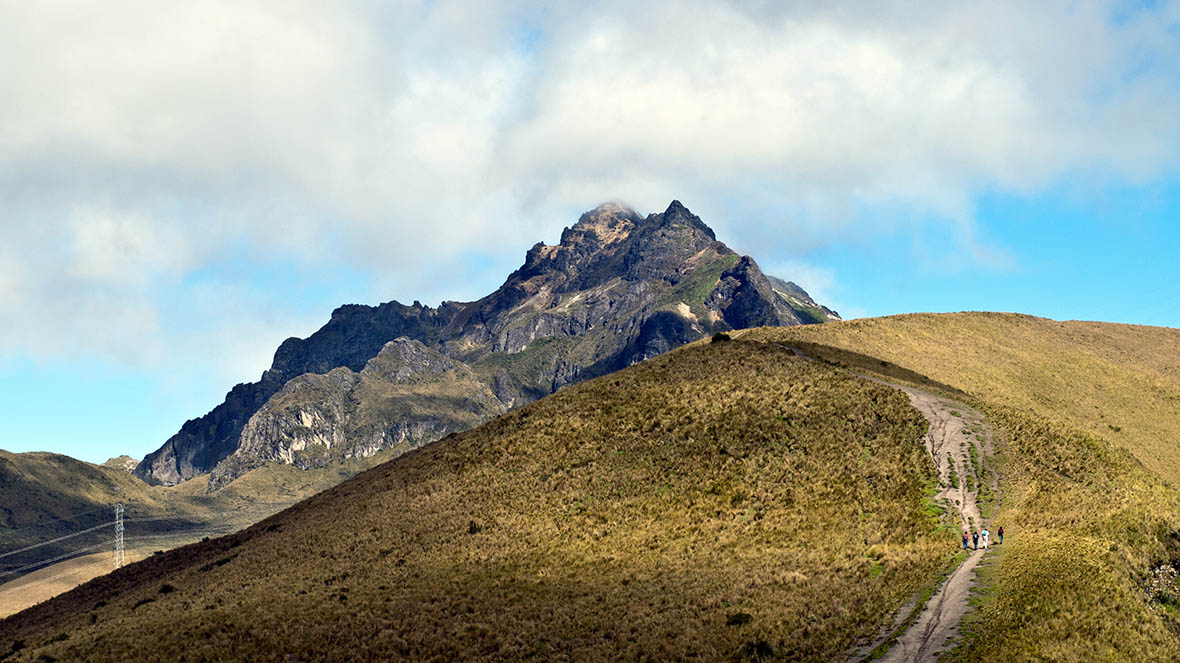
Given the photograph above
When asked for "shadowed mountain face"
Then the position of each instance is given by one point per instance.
(618, 288)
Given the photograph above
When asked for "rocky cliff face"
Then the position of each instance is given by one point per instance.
(353, 335)
(617, 289)
(804, 306)
(404, 397)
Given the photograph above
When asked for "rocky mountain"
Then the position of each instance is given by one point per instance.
(801, 302)
(124, 462)
(617, 289)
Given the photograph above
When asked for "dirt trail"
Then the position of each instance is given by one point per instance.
(959, 442)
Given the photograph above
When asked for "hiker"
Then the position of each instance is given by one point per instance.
(985, 534)
(1000, 533)
(964, 539)
(975, 539)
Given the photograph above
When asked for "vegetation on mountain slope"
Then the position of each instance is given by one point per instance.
(1088, 529)
(726, 500)
(406, 396)
(1086, 571)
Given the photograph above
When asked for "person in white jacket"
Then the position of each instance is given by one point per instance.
(985, 536)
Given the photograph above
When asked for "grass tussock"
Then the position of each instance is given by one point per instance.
(724, 501)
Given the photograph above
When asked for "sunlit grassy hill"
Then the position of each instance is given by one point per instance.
(725, 500)
(1089, 422)
(1119, 382)
(41, 488)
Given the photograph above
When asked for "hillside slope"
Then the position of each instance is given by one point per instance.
(723, 500)
(1088, 449)
(1119, 382)
(53, 506)
(618, 288)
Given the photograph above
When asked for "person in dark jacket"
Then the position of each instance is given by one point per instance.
(1000, 533)
(975, 539)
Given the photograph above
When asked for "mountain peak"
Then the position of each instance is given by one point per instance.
(611, 207)
(618, 288)
(677, 213)
(606, 224)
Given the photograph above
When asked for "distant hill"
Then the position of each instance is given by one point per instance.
(124, 462)
(617, 289)
(55, 508)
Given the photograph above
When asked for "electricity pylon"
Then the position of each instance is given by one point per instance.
(120, 558)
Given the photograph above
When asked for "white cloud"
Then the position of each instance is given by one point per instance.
(818, 281)
(142, 142)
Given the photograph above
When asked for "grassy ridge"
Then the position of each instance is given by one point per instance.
(724, 500)
(1086, 526)
(1118, 382)
(1088, 441)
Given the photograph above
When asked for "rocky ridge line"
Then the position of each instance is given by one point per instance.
(617, 289)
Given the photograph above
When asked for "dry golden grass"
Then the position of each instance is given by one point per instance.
(1086, 525)
(43, 584)
(1119, 382)
(1088, 421)
(723, 501)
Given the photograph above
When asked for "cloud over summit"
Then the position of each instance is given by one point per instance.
(143, 142)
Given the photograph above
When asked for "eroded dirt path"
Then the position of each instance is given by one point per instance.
(959, 443)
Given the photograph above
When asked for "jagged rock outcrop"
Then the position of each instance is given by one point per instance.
(804, 306)
(617, 289)
(404, 397)
(745, 298)
(353, 335)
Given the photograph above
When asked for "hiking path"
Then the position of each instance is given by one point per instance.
(960, 444)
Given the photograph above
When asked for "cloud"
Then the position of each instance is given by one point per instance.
(819, 282)
(143, 142)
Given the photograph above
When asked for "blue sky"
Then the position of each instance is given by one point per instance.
(182, 186)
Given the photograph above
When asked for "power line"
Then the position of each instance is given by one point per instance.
(85, 531)
(45, 562)
(195, 530)
(120, 540)
(51, 578)
(51, 541)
